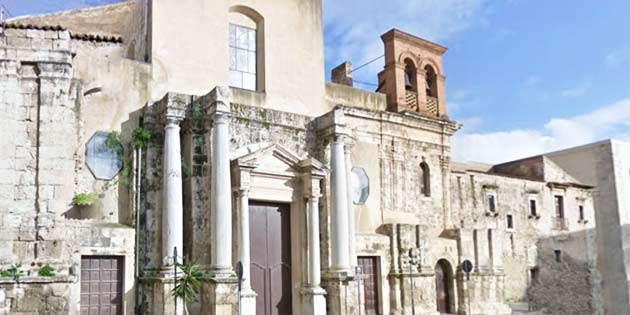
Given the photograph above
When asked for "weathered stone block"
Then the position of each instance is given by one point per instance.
(19, 42)
(42, 43)
(12, 32)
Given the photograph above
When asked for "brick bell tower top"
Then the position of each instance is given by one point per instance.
(413, 77)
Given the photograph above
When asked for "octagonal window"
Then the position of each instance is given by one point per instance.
(104, 158)
(360, 186)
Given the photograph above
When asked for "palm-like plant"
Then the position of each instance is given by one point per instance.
(188, 283)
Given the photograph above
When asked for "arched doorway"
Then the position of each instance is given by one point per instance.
(444, 287)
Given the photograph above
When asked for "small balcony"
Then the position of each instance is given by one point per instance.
(560, 224)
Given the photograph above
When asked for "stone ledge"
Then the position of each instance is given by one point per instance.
(40, 280)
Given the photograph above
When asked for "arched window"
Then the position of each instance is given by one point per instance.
(431, 84)
(445, 290)
(410, 76)
(246, 49)
(425, 179)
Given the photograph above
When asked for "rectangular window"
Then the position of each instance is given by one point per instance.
(510, 221)
(581, 212)
(532, 208)
(559, 202)
(558, 254)
(243, 57)
(492, 203)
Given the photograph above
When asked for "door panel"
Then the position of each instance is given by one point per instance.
(271, 257)
(443, 282)
(370, 284)
(101, 285)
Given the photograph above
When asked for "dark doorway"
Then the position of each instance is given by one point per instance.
(270, 241)
(370, 284)
(444, 287)
(101, 285)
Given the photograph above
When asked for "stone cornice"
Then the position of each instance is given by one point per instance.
(413, 40)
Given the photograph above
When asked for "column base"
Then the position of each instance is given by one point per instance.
(248, 301)
(313, 301)
(342, 296)
(220, 296)
(164, 301)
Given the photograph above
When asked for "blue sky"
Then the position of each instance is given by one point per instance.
(524, 76)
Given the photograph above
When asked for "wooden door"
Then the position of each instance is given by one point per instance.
(370, 284)
(101, 285)
(443, 288)
(270, 247)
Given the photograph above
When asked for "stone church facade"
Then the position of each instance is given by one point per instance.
(334, 200)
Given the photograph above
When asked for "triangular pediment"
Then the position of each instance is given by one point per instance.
(274, 158)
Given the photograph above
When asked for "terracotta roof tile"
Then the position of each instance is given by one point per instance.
(76, 36)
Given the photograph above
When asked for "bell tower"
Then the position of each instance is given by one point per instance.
(413, 77)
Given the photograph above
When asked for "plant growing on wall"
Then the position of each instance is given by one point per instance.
(490, 186)
(84, 199)
(188, 284)
(141, 137)
(14, 273)
(46, 271)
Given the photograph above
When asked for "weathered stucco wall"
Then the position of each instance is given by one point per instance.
(294, 60)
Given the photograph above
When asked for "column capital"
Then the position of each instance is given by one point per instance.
(172, 108)
(218, 101)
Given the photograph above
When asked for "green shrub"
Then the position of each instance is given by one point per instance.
(46, 271)
(84, 199)
(14, 273)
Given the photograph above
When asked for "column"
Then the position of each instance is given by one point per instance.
(314, 301)
(220, 194)
(314, 262)
(220, 294)
(340, 257)
(351, 215)
(248, 296)
(172, 200)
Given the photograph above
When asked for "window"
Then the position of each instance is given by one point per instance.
(559, 203)
(532, 208)
(581, 212)
(558, 254)
(492, 203)
(104, 155)
(431, 84)
(425, 179)
(510, 221)
(243, 62)
(410, 76)
(360, 183)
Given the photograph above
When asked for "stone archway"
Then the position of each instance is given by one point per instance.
(444, 286)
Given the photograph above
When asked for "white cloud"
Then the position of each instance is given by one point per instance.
(559, 133)
(353, 27)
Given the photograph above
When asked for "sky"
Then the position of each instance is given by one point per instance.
(524, 77)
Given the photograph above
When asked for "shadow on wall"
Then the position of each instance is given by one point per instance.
(565, 280)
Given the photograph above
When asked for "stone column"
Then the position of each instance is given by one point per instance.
(340, 256)
(314, 302)
(351, 214)
(220, 296)
(220, 190)
(248, 296)
(172, 108)
(172, 199)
